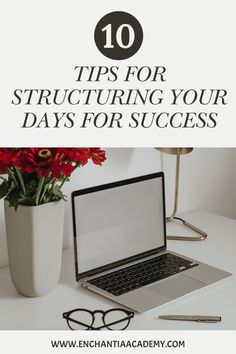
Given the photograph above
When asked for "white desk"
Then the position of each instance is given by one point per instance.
(219, 249)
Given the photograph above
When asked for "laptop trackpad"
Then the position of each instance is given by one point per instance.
(176, 286)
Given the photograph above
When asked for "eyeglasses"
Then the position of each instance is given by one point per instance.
(113, 319)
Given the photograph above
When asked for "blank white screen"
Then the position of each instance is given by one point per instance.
(119, 222)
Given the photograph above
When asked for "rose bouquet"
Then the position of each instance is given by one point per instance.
(34, 176)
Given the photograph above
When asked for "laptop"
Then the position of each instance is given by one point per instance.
(120, 245)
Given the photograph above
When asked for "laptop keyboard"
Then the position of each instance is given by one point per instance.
(141, 274)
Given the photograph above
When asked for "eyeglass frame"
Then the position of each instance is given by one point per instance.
(66, 316)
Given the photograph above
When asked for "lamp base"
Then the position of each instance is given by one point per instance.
(202, 234)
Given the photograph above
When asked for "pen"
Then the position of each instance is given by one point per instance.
(195, 318)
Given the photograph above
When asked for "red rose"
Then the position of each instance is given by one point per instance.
(97, 155)
(76, 155)
(61, 167)
(9, 157)
(43, 161)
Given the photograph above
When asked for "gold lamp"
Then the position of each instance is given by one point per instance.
(201, 234)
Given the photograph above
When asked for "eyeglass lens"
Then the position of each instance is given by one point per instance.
(114, 316)
(81, 319)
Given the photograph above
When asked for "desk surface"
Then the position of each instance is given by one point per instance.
(18, 312)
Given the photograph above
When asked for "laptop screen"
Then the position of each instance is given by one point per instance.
(116, 221)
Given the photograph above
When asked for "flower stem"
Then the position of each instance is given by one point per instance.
(65, 177)
(46, 188)
(39, 190)
(21, 180)
(63, 181)
(43, 194)
(53, 183)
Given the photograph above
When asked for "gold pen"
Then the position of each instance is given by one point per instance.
(195, 318)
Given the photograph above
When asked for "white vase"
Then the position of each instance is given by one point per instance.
(34, 240)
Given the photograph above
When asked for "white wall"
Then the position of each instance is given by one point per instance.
(207, 181)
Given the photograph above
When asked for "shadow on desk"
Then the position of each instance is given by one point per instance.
(68, 269)
(7, 289)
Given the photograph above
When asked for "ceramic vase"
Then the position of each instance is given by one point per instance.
(34, 241)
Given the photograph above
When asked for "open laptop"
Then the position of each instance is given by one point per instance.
(120, 245)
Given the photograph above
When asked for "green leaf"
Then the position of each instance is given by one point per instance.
(31, 187)
(11, 186)
(3, 189)
(39, 190)
(26, 201)
(14, 197)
